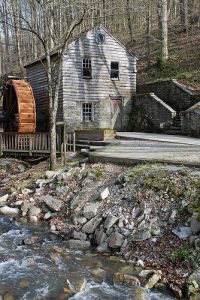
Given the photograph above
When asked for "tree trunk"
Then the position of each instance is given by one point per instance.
(129, 19)
(163, 30)
(52, 131)
(184, 14)
(148, 32)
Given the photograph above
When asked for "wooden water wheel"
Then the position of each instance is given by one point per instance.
(19, 106)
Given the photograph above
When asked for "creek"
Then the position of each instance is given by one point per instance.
(46, 268)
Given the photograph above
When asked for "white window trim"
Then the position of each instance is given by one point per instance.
(92, 108)
(86, 77)
(115, 79)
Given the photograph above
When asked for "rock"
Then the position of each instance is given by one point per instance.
(53, 204)
(34, 211)
(90, 210)
(141, 294)
(195, 224)
(195, 276)
(125, 279)
(99, 274)
(77, 285)
(193, 288)
(62, 191)
(145, 273)
(125, 232)
(53, 228)
(33, 219)
(51, 174)
(110, 221)
(24, 283)
(104, 193)
(100, 236)
(3, 199)
(19, 203)
(151, 282)
(25, 208)
(195, 297)
(31, 240)
(103, 248)
(41, 182)
(141, 235)
(8, 296)
(27, 191)
(115, 240)
(176, 291)
(90, 226)
(47, 216)
(140, 263)
(79, 220)
(182, 232)
(77, 244)
(6, 210)
(136, 212)
(79, 236)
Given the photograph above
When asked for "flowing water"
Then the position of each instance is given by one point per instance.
(46, 269)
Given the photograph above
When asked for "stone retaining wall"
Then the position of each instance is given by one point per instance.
(151, 113)
(190, 121)
(177, 95)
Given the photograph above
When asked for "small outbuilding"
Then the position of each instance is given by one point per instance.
(98, 82)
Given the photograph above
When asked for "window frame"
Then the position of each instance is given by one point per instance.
(84, 117)
(111, 69)
(86, 61)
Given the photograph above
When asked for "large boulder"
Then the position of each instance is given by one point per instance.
(78, 244)
(115, 240)
(141, 294)
(6, 210)
(141, 235)
(3, 199)
(90, 210)
(54, 205)
(90, 226)
(110, 221)
(125, 279)
(195, 224)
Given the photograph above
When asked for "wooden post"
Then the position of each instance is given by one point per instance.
(30, 145)
(64, 144)
(61, 154)
(74, 141)
(1, 150)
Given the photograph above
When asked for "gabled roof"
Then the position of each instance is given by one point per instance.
(83, 34)
(117, 40)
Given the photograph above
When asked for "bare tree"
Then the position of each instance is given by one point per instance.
(46, 36)
(163, 30)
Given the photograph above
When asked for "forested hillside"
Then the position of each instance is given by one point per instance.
(164, 34)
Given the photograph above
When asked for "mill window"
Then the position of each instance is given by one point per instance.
(87, 112)
(86, 68)
(114, 70)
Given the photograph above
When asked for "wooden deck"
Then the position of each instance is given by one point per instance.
(34, 144)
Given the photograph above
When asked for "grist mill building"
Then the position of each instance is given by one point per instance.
(98, 82)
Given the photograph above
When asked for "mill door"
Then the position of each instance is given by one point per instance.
(116, 114)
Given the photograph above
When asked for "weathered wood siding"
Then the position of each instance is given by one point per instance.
(37, 77)
(100, 88)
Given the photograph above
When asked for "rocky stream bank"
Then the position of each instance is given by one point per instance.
(147, 216)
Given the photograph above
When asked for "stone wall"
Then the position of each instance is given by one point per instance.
(151, 114)
(178, 96)
(190, 121)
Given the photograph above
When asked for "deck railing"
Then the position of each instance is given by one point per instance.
(34, 143)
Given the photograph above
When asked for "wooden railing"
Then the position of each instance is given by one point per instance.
(34, 143)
